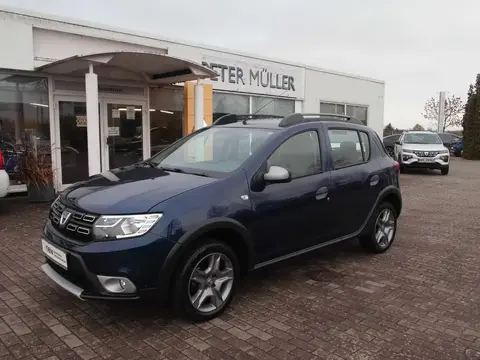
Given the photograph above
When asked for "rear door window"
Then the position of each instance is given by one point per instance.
(347, 149)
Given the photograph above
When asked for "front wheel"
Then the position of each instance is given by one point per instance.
(445, 170)
(382, 233)
(206, 282)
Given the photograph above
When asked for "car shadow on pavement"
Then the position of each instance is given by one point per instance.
(422, 172)
(316, 265)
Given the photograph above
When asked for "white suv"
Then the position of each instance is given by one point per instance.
(422, 149)
(4, 178)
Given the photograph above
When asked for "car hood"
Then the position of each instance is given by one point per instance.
(129, 190)
(424, 147)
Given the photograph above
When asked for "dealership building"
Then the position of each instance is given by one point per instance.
(98, 98)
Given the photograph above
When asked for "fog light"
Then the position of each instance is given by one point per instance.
(117, 285)
(407, 157)
(444, 158)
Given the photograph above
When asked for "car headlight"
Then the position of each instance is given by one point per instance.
(124, 226)
(408, 151)
(445, 151)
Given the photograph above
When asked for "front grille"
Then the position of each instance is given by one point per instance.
(426, 153)
(75, 224)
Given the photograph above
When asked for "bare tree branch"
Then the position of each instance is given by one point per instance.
(454, 109)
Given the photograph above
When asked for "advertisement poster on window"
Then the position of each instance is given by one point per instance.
(130, 112)
(81, 121)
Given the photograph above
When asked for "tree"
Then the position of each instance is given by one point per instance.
(454, 109)
(471, 123)
(418, 127)
(388, 130)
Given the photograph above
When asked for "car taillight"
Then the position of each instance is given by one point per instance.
(396, 166)
(2, 163)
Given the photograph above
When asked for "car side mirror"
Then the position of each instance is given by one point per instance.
(277, 174)
(398, 142)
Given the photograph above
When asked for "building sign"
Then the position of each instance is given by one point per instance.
(254, 77)
(265, 78)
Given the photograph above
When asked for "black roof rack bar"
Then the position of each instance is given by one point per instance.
(298, 118)
(233, 118)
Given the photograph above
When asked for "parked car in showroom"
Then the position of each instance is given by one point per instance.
(244, 193)
(4, 178)
(422, 149)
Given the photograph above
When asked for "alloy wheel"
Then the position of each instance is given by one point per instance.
(385, 228)
(211, 282)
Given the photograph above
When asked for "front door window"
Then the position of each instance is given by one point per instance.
(124, 134)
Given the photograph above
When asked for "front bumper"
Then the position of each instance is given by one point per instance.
(138, 260)
(409, 160)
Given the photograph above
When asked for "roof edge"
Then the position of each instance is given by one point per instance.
(104, 27)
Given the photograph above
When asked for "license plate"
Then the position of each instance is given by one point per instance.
(426, 160)
(55, 254)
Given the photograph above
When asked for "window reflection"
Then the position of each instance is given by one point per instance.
(224, 103)
(24, 119)
(166, 117)
(272, 106)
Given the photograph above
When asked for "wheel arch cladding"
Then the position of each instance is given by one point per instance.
(228, 231)
(394, 199)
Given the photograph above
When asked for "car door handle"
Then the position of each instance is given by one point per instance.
(342, 182)
(374, 180)
(321, 193)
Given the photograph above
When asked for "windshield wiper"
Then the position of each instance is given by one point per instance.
(181, 171)
(149, 163)
(198, 174)
(177, 170)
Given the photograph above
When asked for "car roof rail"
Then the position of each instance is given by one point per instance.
(298, 118)
(233, 118)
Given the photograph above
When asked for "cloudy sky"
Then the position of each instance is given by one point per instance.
(418, 47)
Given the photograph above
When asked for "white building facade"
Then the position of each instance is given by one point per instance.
(99, 98)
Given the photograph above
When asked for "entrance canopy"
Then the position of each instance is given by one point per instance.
(155, 69)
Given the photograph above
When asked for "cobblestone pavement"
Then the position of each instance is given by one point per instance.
(421, 300)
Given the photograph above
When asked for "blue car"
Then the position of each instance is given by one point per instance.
(457, 148)
(244, 193)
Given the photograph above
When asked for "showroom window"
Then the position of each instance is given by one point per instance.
(358, 111)
(226, 103)
(166, 117)
(272, 106)
(24, 119)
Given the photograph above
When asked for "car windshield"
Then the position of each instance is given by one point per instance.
(217, 150)
(420, 138)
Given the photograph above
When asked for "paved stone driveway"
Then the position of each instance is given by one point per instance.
(421, 300)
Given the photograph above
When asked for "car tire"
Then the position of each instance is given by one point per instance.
(382, 229)
(445, 170)
(206, 281)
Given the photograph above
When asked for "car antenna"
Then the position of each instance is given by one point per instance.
(244, 122)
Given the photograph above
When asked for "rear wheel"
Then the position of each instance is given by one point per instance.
(205, 284)
(382, 229)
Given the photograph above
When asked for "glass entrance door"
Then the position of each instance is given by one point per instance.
(123, 139)
(71, 146)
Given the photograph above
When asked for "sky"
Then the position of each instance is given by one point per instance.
(418, 47)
